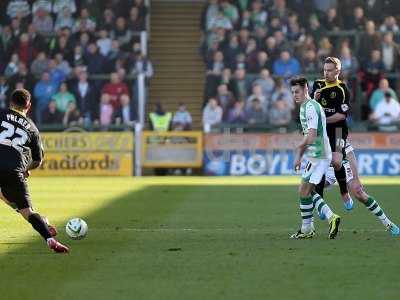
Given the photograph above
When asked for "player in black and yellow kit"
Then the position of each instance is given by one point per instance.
(333, 95)
(20, 151)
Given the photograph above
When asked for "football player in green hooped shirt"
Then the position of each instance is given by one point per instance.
(316, 149)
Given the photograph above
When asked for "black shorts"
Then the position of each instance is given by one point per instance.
(14, 187)
(337, 142)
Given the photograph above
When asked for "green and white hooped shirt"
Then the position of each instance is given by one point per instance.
(312, 116)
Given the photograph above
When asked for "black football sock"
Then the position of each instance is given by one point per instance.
(341, 179)
(39, 225)
(319, 188)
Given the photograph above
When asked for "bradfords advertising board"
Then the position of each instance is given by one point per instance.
(272, 154)
(87, 153)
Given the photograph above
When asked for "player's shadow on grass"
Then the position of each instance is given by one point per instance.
(146, 225)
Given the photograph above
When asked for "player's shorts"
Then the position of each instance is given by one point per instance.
(14, 188)
(330, 174)
(315, 170)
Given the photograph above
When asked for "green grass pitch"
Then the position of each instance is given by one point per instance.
(197, 238)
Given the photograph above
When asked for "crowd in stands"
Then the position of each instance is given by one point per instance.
(252, 47)
(77, 57)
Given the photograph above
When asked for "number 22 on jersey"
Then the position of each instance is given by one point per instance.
(10, 130)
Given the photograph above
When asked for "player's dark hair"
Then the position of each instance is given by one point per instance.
(20, 98)
(301, 81)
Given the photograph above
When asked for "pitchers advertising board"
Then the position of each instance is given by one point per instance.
(87, 153)
(272, 154)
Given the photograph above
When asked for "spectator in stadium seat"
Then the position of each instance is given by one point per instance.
(255, 113)
(7, 44)
(106, 111)
(390, 52)
(270, 47)
(251, 48)
(210, 11)
(42, 4)
(23, 76)
(212, 114)
(43, 21)
(378, 94)
(226, 78)
(104, 42)
(325, 48)
(43, 92)
(18, 8)
(258, 15)
(257, 93)
(64, 19)
(237, 113)
(121, 33)
(390, 25)
(315, 28)
(125, 114)
(4, 92)
(115, 88)
(135, 22)
(283, 93)
(310, 62)
(220, 21)
(266, 82)
(85, 23)
(230, 11)
(78, 57)
(40, 64)
(63, 46)
(51, 115)
(113, 56)
(12, 66)
(286, 66)
(85, 93)
(72, 116)
(38, 42)
(231, 50)
(225, 98)
(240, 84)
(375, 66)
(16, 27)
(108, 19)
(357, 21)
(63, 98)
(182, 119)
(261, 61)
(369, 41)
(141, 7)
(240, 62)
(349, 62)
(57, 74)
(62, 64)
(246, 21)
(216, 66)
(332, 22)
(142, 64)
(276, 25)
(387, 111)
(94, 60)
(60, 5)
(26, 50)
(280, 113)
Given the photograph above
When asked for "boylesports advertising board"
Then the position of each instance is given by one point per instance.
(272, 154)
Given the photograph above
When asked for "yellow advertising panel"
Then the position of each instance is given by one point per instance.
(90, 164)
(172, 149)
(87, 153)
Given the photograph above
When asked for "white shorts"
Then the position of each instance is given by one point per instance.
(330, 173)
(314, 170)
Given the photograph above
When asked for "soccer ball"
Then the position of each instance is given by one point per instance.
(76, 229)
